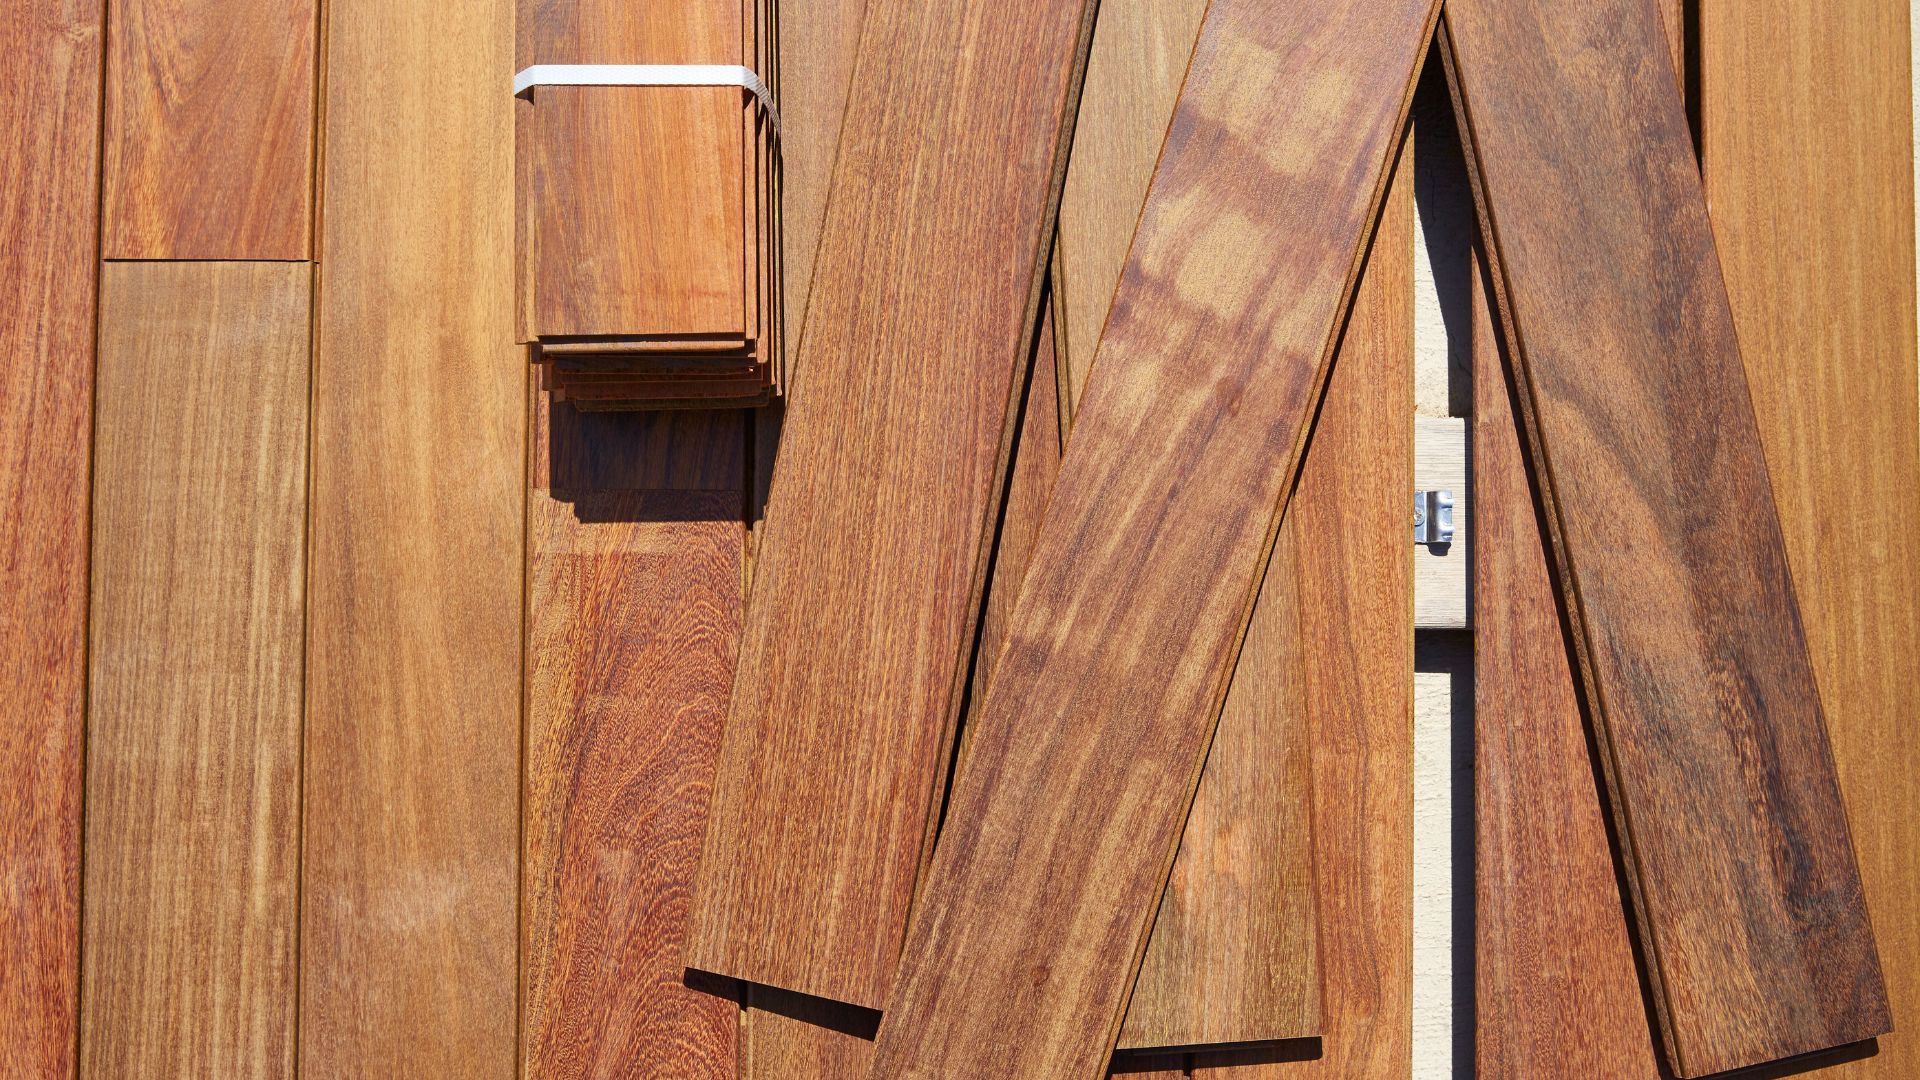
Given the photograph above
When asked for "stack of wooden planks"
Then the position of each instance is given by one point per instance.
(648, 242)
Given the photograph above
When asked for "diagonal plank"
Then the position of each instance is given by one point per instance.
(872, 557)
(50, 138)
(193, 733)
(1669, 552)
(1087, 750)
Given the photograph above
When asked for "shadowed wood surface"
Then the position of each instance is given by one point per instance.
(209, 129)
(1065, 820)
(1556, 991)
(634, 543)
(1139, 56)
(50, 139)
(1669, 551)
(410, 869)
(193, 731)
(1808, 161)
(872, 557)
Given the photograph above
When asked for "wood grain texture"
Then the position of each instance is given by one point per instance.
(1808, 160)
(1139, 57)
(872, 557)
(1087, 751)
(818, 42)
(210, 129)
(791, 1037)
(633, 624)
(197, 642)
(416, 574)
(1665, 535)
(1556, 993)
(1340, 562)
(50, 136)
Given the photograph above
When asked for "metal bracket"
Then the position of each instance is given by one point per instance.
(1433, 517)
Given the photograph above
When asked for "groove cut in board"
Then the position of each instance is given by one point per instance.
(1063, 825)
(197, 642)
(210, 129)
(410, 868)
(50, 139)
(872, 556)
(1552, 951)
(1807, 155)
(1666, 539)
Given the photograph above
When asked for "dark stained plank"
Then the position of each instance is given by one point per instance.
(412, 825)
(50, 139)
(197, 641)
(210, 129)
(872, 556)
(1064, 821)
(634, 547)
(1556, 994)
(1808, 162)
(1665, 536)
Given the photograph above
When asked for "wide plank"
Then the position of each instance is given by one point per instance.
(50, 137)
(210, 129)
(1667, 544)
(1807, 154)
(412, 824)
(1556, 992)
(872, 556)
(1085, 755)
(196, 645)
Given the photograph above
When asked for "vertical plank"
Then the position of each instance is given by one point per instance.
(1089, 746)
(634, 547)
(210, 129)
(1808, 161)
(415, 573)
(1556, 991)
(193, 747)
(49, 137)
(792, 1037)
(1692, 654)
(1341, 565)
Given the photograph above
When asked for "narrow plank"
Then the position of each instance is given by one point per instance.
(210, 129)
(634, 548)
(871, 560)
(49, 211)
(1556, 993)
(1139, 56)
(1340, 563)
(197, 641)
(1808, 159)
(415, 575)
(1066, 828)
(1692, 657)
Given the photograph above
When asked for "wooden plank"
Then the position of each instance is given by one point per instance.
(1808, 161)
(414, 590)
(1665, 535)
(50, 136)
(1066, 827)
(1140, 54)
(193, 733)
(634, 547)
(872, 556)
(1340, 564)
(788, 1036)
(1556, 993)
(210, 129)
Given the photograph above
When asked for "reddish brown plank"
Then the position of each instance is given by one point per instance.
(1064, 822)
(210, 129)
(871, 560)
(634, 545)
(50, 139)
(1666, 540)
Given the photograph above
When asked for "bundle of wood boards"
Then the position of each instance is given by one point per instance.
(649, 268)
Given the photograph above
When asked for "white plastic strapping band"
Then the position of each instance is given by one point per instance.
(649, 75)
